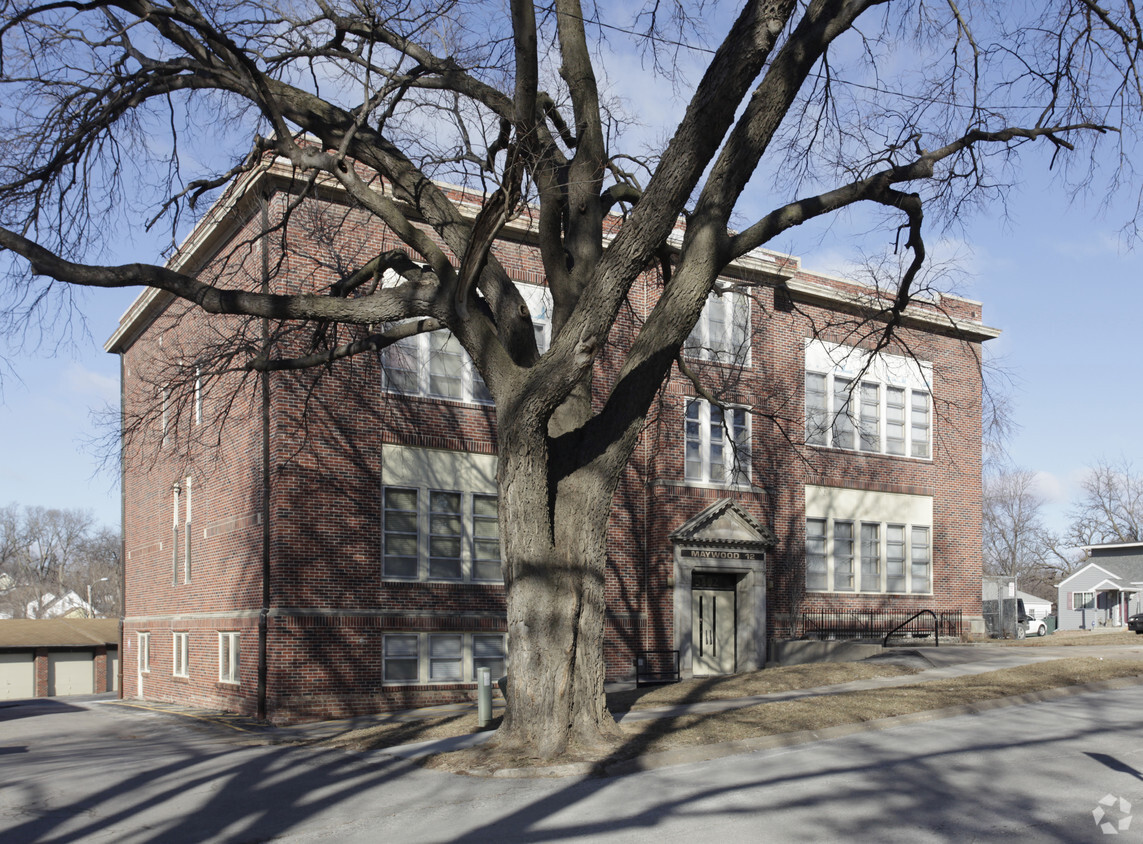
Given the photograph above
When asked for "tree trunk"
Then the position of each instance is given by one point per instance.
(555, 563)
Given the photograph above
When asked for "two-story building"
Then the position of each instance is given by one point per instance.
(325, 542)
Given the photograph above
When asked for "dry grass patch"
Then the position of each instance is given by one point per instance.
(818, 713)
(1069, 638)
(766, 682)
(394, 733)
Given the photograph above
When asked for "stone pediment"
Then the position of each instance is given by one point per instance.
(724, 523)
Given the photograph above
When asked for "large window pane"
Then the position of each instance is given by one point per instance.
(400, 551)
(870, 557)
(895, 558)
(817, 412)
(399, 366)
(843, 433)
(816, 573)
(895, 420)
(444, 535)
(694, 470)
(488, 652)
(400, 658)
(843, 556)
(920, 425)
(485, 538)
(446, 365)
(445, 654)
(870, 418)
(920, 561)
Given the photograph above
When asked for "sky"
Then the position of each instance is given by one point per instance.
(1051, 271)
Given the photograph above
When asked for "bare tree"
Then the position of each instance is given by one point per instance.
(916, 109)
(1110, 508)
(1016, 541)
(49, 552)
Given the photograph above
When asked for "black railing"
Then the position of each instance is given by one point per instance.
(873, 625)
(914, 617)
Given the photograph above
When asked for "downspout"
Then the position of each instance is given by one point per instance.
(263, 614)
(122, 517)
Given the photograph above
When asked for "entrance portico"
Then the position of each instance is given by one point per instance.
(720, 591)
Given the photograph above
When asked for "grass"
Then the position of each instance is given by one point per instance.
(1069, 638)
(818, 713)
(781, 717)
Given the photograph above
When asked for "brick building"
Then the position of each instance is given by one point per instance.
(323, 543)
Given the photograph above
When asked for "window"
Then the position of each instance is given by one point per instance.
(717, 444)
(144, 653)
(446, 655)
(400, 658)
(440, 535)
(831, 562)
(1083, 600)
(722, 332)
(843, 556)
(442, 657)
(436, 365)
(870, 557)
(164, 419)
(485, 538)
(198, 395)
(488, 652)
(228, 657)
(854, 542)
(180, 661)
(855, 403)
(817, 571)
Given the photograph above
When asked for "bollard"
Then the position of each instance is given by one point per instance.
(483, 697)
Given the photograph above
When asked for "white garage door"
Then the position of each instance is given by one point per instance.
(17, 676)
(71, 673)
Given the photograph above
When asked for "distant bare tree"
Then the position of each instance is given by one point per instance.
(1016, 541)
(49, 552)
(1110, 508)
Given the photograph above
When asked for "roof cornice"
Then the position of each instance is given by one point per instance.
(817, 293)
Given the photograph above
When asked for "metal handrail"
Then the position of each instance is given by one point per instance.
(936, 628)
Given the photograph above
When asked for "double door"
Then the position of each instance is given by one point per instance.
(714, 623)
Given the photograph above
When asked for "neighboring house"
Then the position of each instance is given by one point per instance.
(58, 656)
(67, 605)
(1035, 606)
(1105, 591)
(338, 551)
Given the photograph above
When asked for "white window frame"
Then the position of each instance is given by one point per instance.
(854, 550)
(432, 656)
(144, 655)
(180, 654)
(228, 652)
(468, 539)
(426, 352)
(727, 340)
(1083, 604)
(700, 426)
(861, 407)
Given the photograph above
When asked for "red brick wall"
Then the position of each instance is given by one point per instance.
(329, 605)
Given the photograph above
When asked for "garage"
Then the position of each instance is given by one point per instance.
(56, 657)
(17, 675)
(71, 673)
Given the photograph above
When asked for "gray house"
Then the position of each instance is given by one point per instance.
(1106, 590)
